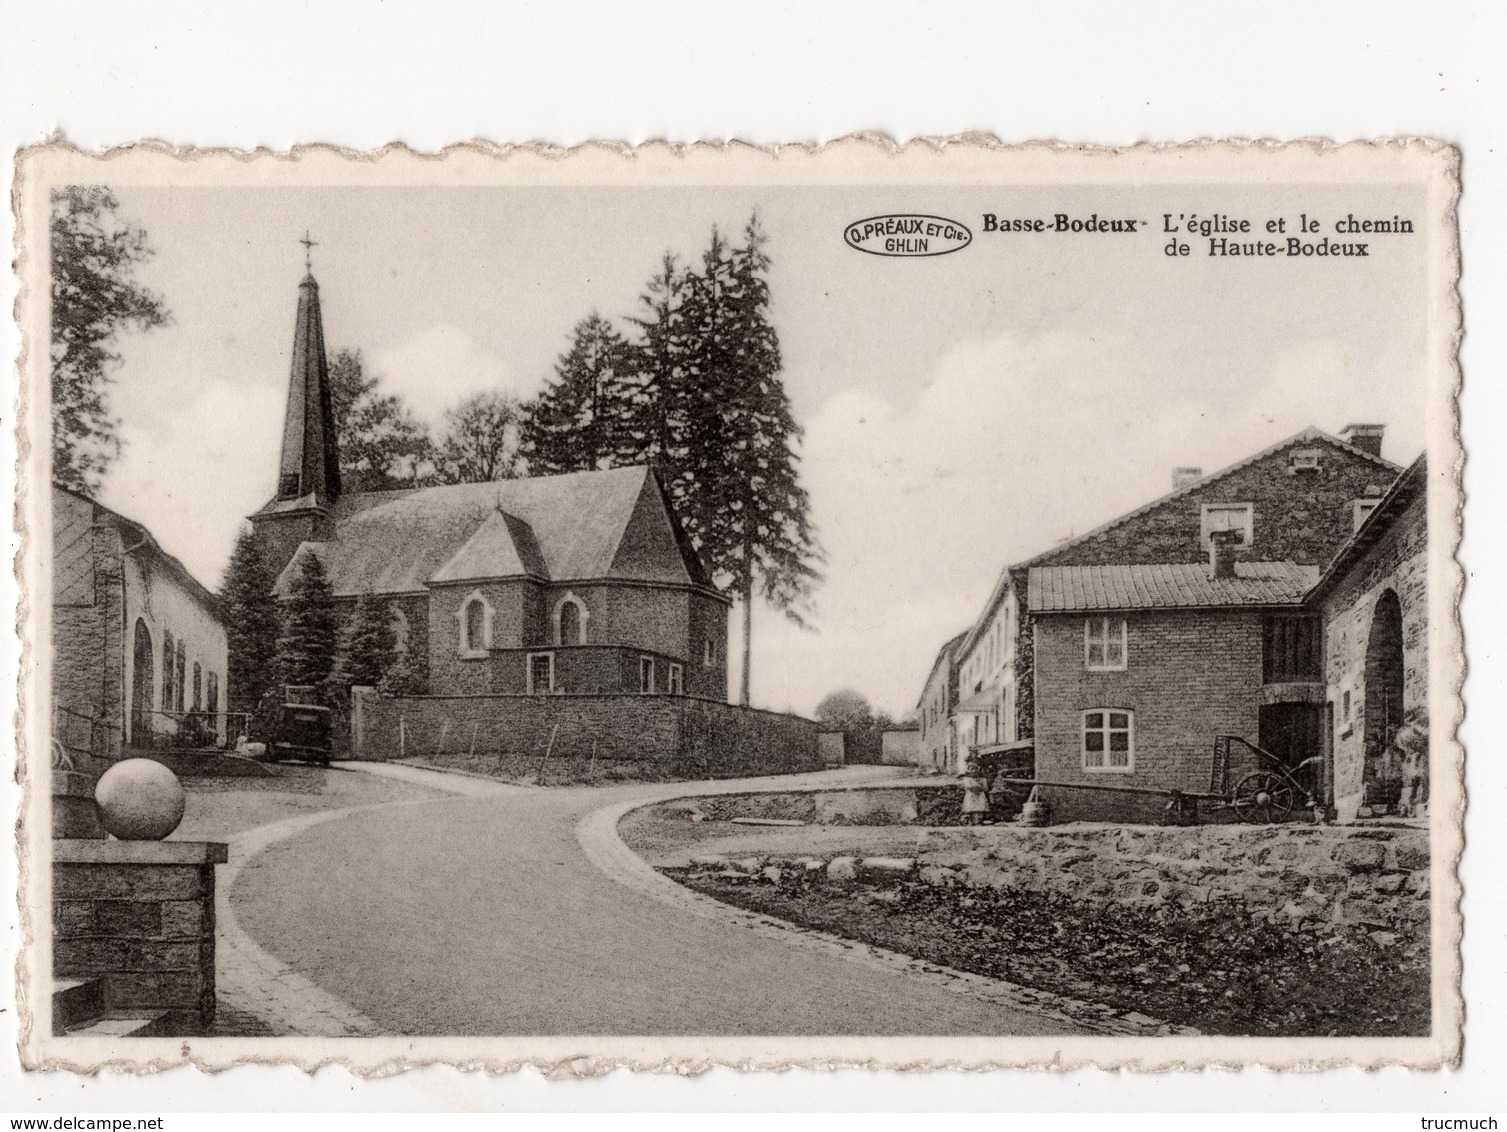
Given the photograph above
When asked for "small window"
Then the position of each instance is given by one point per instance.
(541, 673)
(1304, 460)
(167, 672)
(180, 678)
(1227, 517)
(198, 687)
(1363, 509)
(646, 675)
(1104, 644)
(676, 685)
(709, 657)
(1108, 741)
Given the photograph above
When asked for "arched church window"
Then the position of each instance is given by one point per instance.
(570, 623)
(198, 687)
(212, 694)
(180, 678)
(399, 631)
(475, 626)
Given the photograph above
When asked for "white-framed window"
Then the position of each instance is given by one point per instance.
(540, 674)
(1109, 741)
(1227, 517)
(709, 655)
(1363, 509)
(646, 675)
(1304, 460)
(1104, 644)
(475, 617)
(675, 684)
(571, 616)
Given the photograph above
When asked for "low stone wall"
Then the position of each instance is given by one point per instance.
(940, 804)
(697, 738)
(1307, 876)
(140, 917)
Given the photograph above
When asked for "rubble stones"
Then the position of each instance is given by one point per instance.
(842, 870)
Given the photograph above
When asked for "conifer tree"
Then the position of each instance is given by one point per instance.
(752, 512)
(382, 445)
(306, 645)
(251, 623)
(368, 646)
(574, 424)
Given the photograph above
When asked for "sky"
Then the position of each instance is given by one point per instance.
(959, 412)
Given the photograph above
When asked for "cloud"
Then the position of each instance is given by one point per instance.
(434, 368)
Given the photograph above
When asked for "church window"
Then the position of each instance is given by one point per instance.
(212, 694)
(179, 678)
(475, 626)
(198, 687)
(399, 631)
(570, 621)
(541, 673)
(710, 655)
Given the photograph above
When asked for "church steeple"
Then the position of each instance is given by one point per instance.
(310, 458)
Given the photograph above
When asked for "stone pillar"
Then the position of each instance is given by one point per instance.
(139, 918)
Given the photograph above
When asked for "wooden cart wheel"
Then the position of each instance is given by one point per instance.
(1262, 797)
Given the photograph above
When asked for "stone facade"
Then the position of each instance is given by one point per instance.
(1189, 675)
(118, 600)
(1384, 580)
(696, 738)
(937, 737)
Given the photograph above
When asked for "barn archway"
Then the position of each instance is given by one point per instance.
(1383, 701)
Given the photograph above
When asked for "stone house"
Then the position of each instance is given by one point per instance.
(578, 584)
(934, 711)
(1373, 599)
(138, 644)
(1108, 632)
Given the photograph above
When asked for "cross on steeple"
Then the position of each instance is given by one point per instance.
(308, 246)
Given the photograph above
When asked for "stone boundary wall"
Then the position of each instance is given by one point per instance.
(940, 804)
(1310, 877)
(140, 917)
(699, 738)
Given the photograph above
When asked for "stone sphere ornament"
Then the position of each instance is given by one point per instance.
(139, 800)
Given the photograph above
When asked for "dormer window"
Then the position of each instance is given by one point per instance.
(1363, 509)
(1227, 517)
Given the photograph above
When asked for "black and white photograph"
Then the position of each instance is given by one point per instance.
(968, 605)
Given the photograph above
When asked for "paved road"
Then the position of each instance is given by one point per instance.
(486, 915)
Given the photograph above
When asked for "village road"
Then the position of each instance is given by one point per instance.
(486, 915)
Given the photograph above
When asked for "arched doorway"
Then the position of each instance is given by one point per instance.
(141, 685)
(1383, 701)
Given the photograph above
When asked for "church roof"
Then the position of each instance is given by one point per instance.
(559, 528)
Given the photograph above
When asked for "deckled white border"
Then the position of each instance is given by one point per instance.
(856, 160)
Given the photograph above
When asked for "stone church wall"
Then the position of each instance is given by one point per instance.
(697, 737)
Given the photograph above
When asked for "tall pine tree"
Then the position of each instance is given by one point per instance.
(756, 514)
(306, 645)
(251, 623)
(575, 423)
(368, 646)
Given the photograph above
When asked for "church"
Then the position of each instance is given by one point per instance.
(579, 584)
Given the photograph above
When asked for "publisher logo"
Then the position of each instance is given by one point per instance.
(907, 234)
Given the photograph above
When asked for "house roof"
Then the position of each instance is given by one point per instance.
(1309, 435)
(561, 528)
(1186, 585)
(145, 540)
(946, 653)
(1404, 490)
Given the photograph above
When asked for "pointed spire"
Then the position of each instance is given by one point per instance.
(310, 459)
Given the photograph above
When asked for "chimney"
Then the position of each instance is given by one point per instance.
(1223, 546)
(1182, 477)
(1366, 437)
